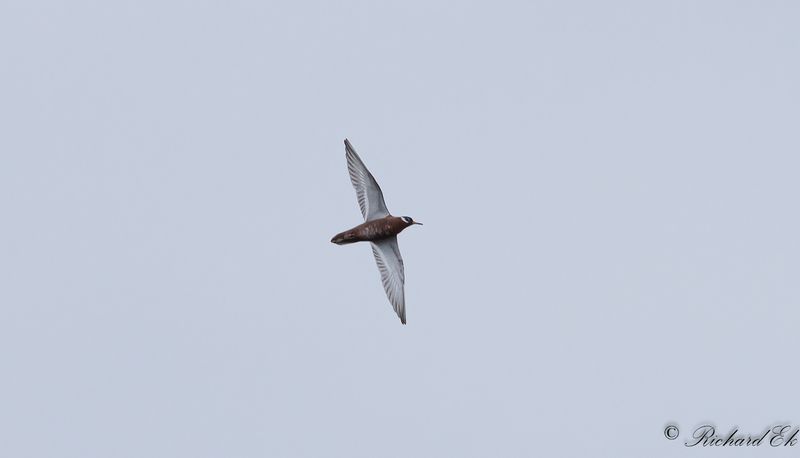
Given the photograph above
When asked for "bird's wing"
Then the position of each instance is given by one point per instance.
(390, 263)
(370, 197)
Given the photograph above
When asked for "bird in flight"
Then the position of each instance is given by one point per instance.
(379, 228)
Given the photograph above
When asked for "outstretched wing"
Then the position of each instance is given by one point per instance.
(390, 263)
(370, 196)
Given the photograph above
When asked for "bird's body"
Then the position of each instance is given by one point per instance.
(379, 228)
(372, 231)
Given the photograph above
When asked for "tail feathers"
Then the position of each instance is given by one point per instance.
(344, 238)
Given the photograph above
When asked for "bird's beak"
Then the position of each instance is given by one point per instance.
(417, 222)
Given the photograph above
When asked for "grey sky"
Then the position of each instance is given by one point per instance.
(609, 192)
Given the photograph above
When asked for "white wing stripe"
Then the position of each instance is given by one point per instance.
(369, 194)
(390, 265)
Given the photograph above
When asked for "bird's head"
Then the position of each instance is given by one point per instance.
(409, 221)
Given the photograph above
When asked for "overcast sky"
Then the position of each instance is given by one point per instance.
(609, 192)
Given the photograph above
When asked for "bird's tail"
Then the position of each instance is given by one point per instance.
(344, 238)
